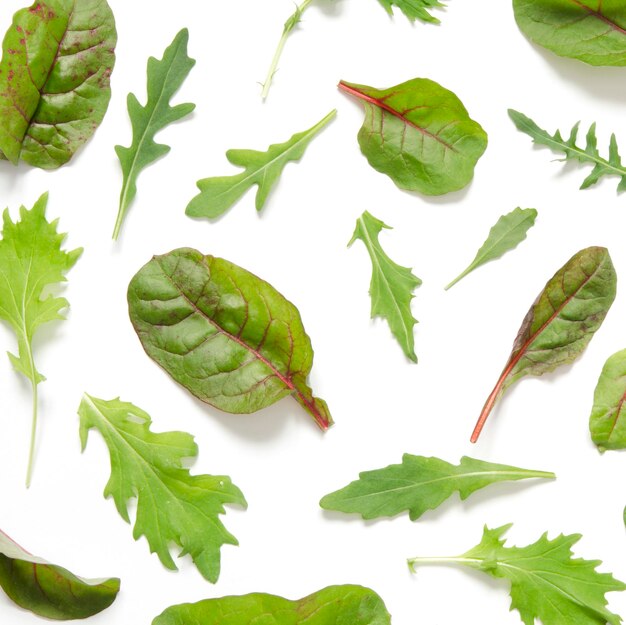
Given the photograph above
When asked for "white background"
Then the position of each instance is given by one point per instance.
(383, 405)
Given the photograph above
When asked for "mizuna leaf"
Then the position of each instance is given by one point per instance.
(508, 232)
(227, 336)
(587, 155)
(263, 169)
(419, 484)
(391, 287)
(420, 135)
(173, 506)
(49, 590)
(547, 583)
(560, 323)
(31, 260)
(414, 9)
(57, 60)
(592, 31)
(336, 605)
(165, 78)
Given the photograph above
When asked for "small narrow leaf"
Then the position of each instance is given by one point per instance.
(419, 484)
(508, 232)
(173, 506)
(391, 287)
(414, 9)
(263, 169)
(165, 78)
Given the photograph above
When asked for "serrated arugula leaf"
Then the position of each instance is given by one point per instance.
(588, 155)
(165, 78)
(391, 287)
(507, 233)
(547, 583)
(173, 506)
(414, 9)
(419, 484)
(263, 169)
(31, 261)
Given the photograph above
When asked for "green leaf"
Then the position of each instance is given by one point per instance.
(593, 31)
(165, 78)
(263, 169)
(173, 506)
(31, 260)
(560, 323)
(587, 155)
(336, 605)
(57, 60)
(547, 583)
(414, 9)
(391, 287)
(420, 135)
(419, 484)
(508, 232)
(227, 336)
(49, 590)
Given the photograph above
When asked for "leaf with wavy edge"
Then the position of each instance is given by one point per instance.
(415, 9)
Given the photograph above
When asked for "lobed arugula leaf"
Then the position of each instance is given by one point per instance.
(415, 9)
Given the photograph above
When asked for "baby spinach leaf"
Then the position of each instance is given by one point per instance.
(173, 506)
(263, 169)
(560, 323)
(547, 583)
(508, 232)
(588, 155)
(420, 135)
(353, 605)
(49, 590)
(227, 336)
(419, 484)
(414, 9)
(391, 287)
(165, 78)
(588, 30)
(57, 60)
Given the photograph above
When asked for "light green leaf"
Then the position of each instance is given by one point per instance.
(419, 484)
(173, 506)
(165, 78)
(547, 583)
(414, 9)
(508, 232)
(219, 194)
(391, 287)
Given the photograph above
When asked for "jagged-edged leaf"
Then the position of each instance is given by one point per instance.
(227, 336)
(391, 287)
(173, 506)
(57, 59)
(414, 9)
(507, 233)
(593, 31)
(263, 169)
(49, 590)
(587, 155)
(165, 78)
(420, 135)
(560, 323)
(547, 583)
(336, 605)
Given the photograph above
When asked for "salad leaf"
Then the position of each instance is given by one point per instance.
(547, 583)
(173, 506)
(263, 169)
(419, 484)
(352, 605)
(593, 31)
(57, 59)
(31, 260)
(227, 336)
(507, 233)
(420, 135)
(49, 590)
(414, 9)
(588, 155)
(391, 287)
(560, 323)
(165, 78)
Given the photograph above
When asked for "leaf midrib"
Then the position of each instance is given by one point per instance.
(616, 27)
